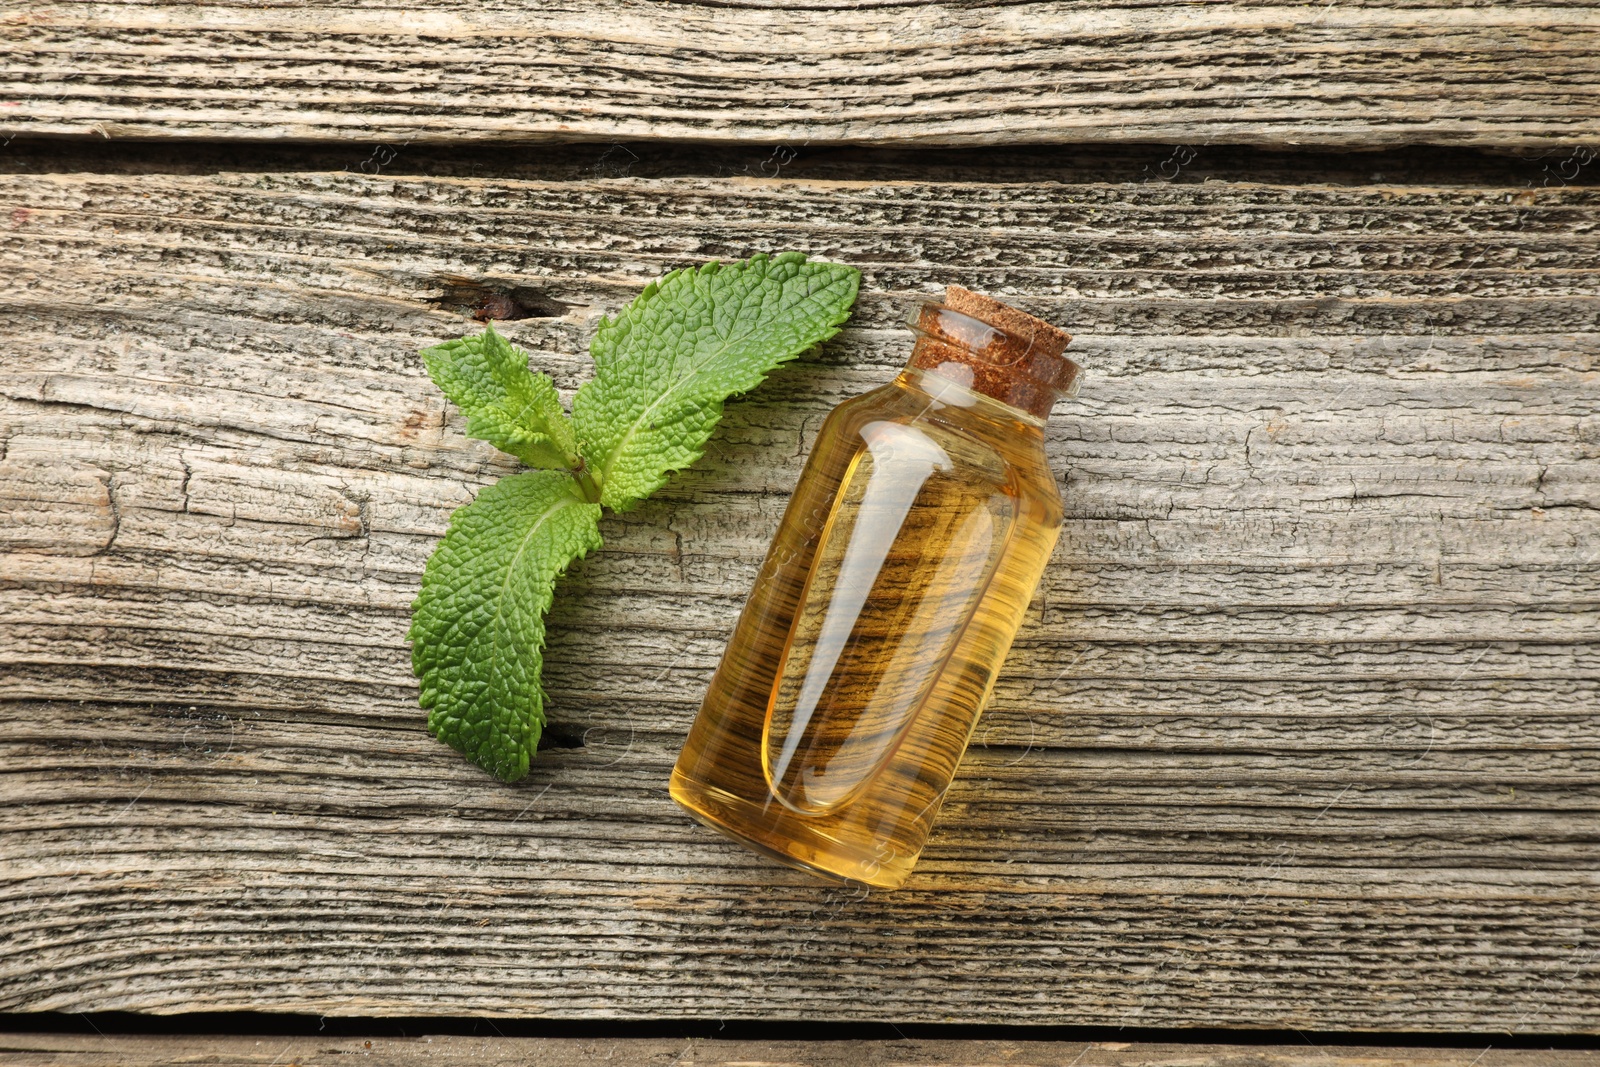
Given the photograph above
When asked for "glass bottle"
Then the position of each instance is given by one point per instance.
(900, 572)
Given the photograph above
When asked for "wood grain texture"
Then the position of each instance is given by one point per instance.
(1356, 72)
(56, 1050)
(1300, 732)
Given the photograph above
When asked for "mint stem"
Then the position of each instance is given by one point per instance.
(588, 485)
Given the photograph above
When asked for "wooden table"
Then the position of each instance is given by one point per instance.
(1301, 734)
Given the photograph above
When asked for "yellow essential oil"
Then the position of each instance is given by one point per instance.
(899, 575)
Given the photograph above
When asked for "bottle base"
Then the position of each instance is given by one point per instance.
(801, 848)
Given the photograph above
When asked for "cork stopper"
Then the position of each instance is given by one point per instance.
(994, 349)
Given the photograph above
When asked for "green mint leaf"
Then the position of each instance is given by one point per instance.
(669, 359)
(477, 626)
(506, 404)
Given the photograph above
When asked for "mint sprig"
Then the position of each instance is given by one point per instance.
(663, 367)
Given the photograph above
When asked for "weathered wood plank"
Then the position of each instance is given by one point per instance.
(1367, 73)
(1300, 732)
(60, 1050)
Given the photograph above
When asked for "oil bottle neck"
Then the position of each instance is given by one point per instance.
(954, 401)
